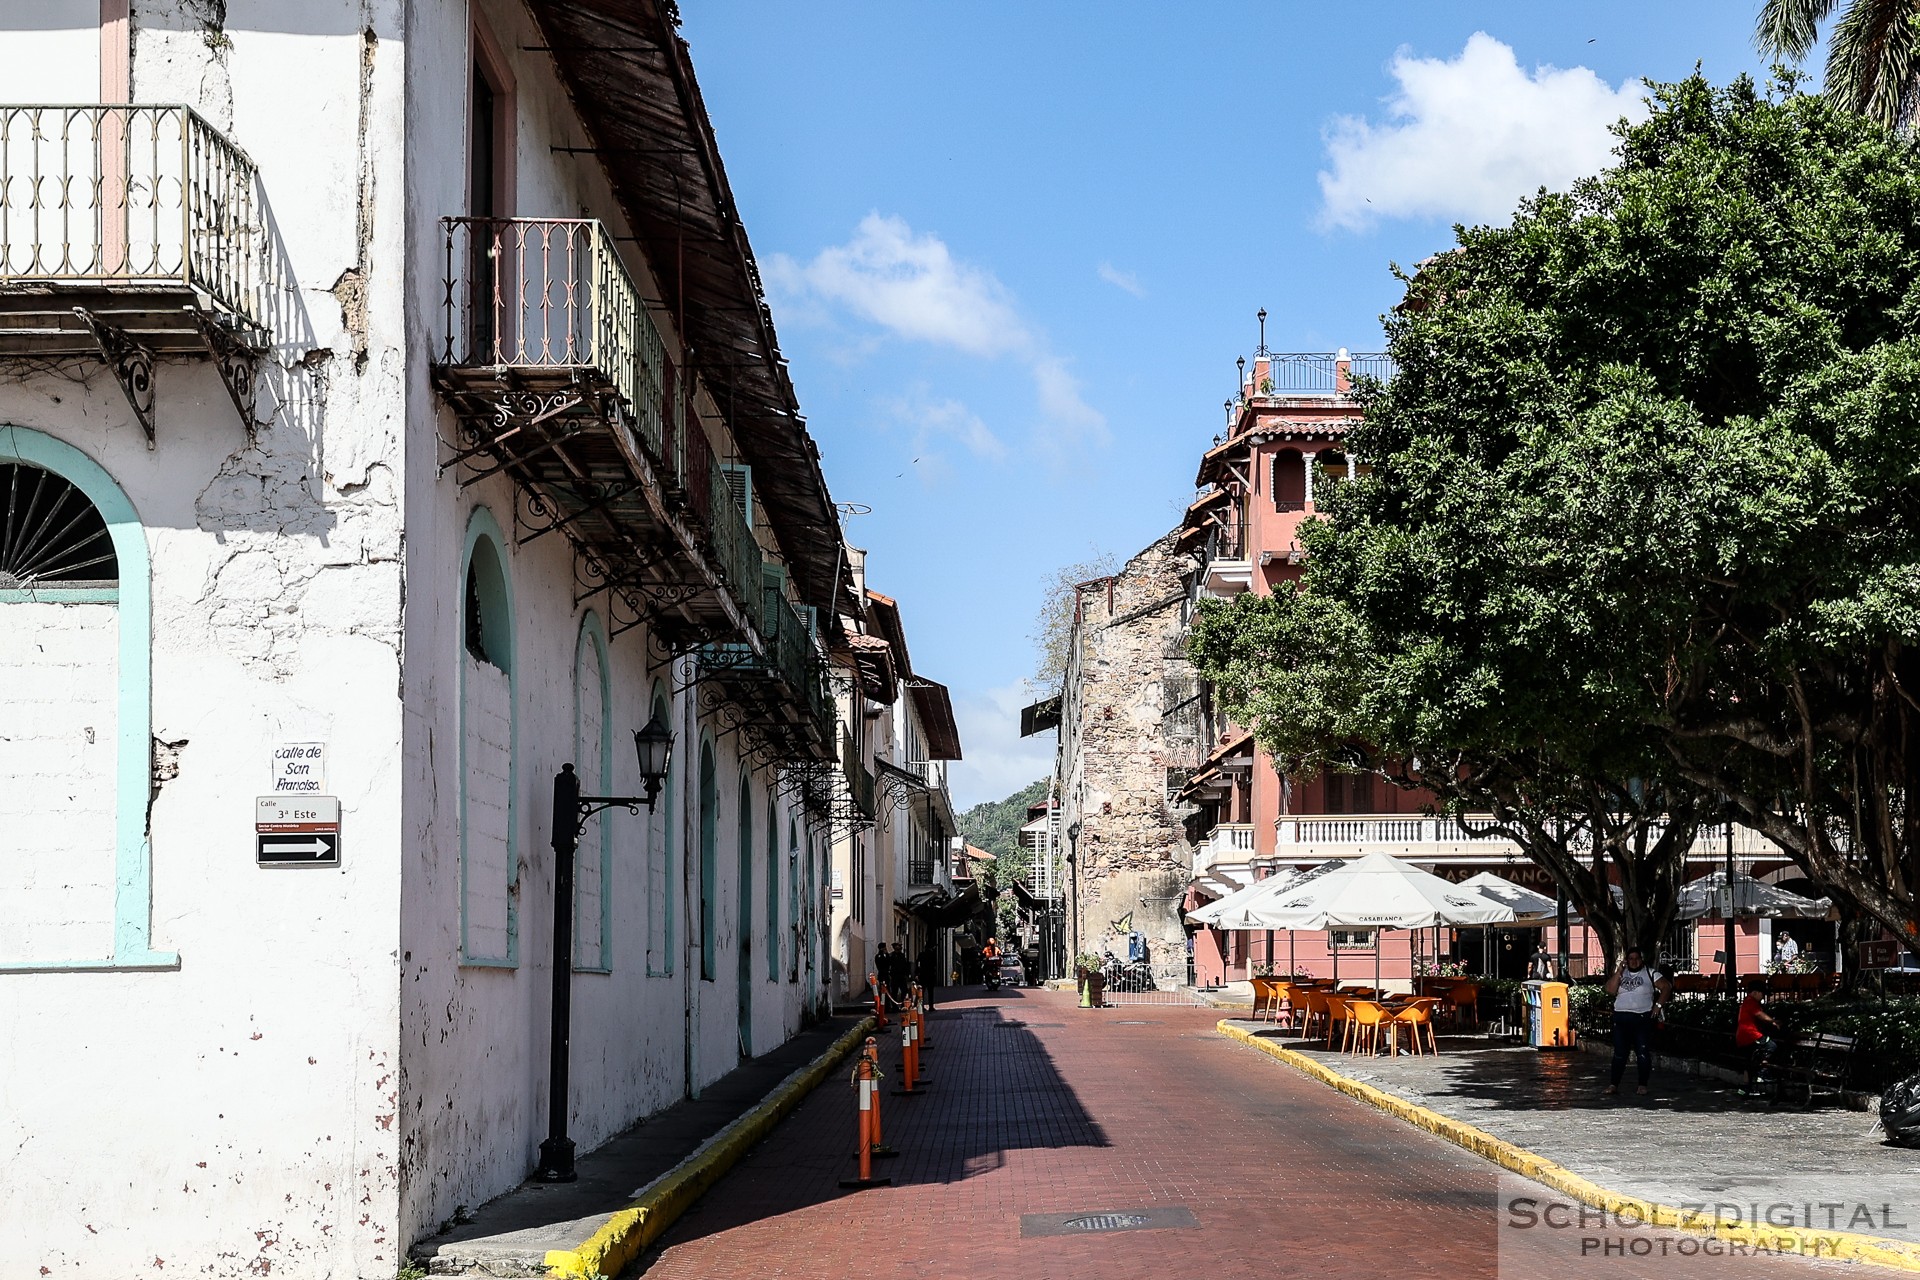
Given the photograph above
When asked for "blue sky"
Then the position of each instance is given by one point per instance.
(1014, 248)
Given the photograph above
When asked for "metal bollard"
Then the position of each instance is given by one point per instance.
(866, 1122)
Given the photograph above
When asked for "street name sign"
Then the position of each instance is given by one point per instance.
(296, 831)
(300, 768)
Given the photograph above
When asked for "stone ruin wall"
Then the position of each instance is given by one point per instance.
(1134, 857)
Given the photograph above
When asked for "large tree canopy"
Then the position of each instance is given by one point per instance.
(1644, 499)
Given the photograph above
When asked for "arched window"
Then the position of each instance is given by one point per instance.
(489, 755)
(709, 854)
(743, 942)
(76, 646)
(593, 762)
(773, 892)
(661, 831)
(1289, 481)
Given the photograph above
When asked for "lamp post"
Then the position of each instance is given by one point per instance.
(1733, 968)
(571, 811)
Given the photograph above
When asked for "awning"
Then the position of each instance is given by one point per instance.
(873, 658)
(935, 705)
(943, 912)
(1040, 716)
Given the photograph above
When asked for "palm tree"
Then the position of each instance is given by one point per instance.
(1873, 52)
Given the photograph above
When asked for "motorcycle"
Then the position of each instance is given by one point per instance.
(1900, 1112)
(990, 972)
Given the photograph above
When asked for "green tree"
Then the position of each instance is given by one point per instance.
(1654, 447)
(1053, 624)
(994, 825)
(1873, 51)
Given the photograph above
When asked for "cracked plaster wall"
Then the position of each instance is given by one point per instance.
(1133, 854)
(236, 1117)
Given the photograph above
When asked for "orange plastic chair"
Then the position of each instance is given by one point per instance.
(1364, 1020)
(1301, 999)
(1414, 1016)
(1282, 1006)
(1464, 999)
(1337, 1014)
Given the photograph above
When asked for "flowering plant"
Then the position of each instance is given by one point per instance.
(1425, 968)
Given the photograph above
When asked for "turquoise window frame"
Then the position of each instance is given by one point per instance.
(482, 526)
(662, 706)
(593, 633)
(133, 765)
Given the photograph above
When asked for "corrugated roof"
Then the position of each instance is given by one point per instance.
(631, 80)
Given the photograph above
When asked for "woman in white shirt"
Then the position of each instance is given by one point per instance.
(1639, 994)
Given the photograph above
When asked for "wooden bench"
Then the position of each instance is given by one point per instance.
(1819, 1066)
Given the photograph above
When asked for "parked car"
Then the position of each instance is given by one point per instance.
(1012, 972)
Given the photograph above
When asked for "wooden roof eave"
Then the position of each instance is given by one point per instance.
(631, 82)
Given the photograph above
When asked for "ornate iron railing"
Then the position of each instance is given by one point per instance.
(127, 195)
(552, 293)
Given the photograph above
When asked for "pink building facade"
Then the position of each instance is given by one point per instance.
(1282, 450)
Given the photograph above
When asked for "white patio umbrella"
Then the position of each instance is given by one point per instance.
(1752, 898)
(1227, 913)
(1530, 909)
(1377, 891)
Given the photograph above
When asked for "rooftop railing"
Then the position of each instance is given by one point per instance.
(127, 195)
(1319, 372)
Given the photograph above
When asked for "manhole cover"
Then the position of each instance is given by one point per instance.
(1076, 1224)
(1107, 1222)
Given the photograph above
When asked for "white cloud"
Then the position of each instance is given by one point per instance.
(1060, 401)
(932, 420)
(1468, 137)
(995, 760)
(911, 286)
(1125, 281)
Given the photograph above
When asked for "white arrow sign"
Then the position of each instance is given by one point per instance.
(299, 831)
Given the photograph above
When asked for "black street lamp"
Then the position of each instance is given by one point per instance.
(571, 812)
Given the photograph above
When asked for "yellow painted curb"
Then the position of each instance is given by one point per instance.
(627, 1233)
(1902, 1255)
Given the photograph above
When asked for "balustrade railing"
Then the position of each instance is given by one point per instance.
(134, 194)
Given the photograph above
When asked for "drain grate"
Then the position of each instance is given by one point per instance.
(1080, 1224)
(1107, 1222)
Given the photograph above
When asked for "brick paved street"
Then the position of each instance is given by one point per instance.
(1040, 1108)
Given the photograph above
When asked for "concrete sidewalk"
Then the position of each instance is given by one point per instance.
(1693, 1140)
(511, 1235)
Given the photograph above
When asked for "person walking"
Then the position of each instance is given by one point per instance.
(927, 972)
(1786, 951)
(896, 974)
(1639, 994)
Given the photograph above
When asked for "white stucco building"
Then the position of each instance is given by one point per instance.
(387, 407)
(892, 869)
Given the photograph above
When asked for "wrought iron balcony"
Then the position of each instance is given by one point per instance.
(559, 378)
(130, 232)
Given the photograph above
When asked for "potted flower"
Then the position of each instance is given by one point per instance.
(1089, 967)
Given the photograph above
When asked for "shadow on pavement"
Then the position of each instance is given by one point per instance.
(994, 1088)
